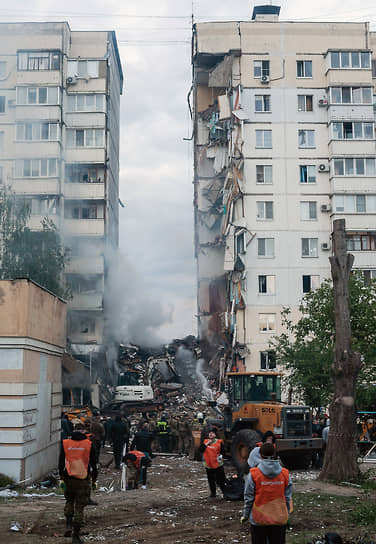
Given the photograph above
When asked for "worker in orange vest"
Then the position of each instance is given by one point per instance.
(137, 461)
(213, 450)
(78, 472)
(267, 499)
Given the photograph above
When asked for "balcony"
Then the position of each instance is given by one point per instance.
(45, 149)
(350, 112)
(37, 112)
(86, 265)
(87, 301)
(355, 185)
(39, 77)
(84, 191)
(85, 155)
(352, 148)
(84, 227)
(35, 221)
(36, 186)
(85, 119)
(356, 222)
(348, 77)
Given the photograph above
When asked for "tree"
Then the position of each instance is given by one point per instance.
(306, 348)
(38, 255)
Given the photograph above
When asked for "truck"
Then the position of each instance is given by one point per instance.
(255, 407)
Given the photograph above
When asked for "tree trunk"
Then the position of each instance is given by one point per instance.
(340, 463)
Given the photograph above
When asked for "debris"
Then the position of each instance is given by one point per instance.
(15, 526)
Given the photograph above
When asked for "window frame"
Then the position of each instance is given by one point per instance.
(268, 365)
(259, 131)
(32, 59)
(306, 102)
(261, 170)
(341, 56)
(268, 242)
(73, 68)
(310, 134)
(306, 174)
(266, 281)
(48, 170)
(311, 243)
(304, 64)
(309, 206)
(351, 94)
(38, 102)
(270, 319)
(356, 161)
(343, 130)
(39, 126)
(265, 102)
(76, 96)
(311, 287)
(264, 68)
(265, 210)
(85, 131)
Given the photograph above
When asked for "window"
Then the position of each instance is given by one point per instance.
(352, 131)
(82, 212)
(1, 175)
(310, 283)
(44, 206)
(37, 95)
(369, 275)
(38, 60)
(307, 173)
(350, 59)
(264, 138)
(355, 166)
(361, 241)
(266, 285)
(264, 174)
(85, 102)
(240, 243)
(262, 102)
(355, 203)
(306, 138)
(310, 247)
(267, 360)
(351, 95)
(37, 131)
(264, 210)
(305, 102)
(2, 104)
(266, 322)
(87, 325)
(308, 211)
(85, 137)
(265, 247)
(261, 68)
(26, 168)
(303, 68)
(84, 173)
(83, 68)
(3, 69)
(80, 284)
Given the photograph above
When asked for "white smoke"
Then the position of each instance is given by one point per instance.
(203, 380)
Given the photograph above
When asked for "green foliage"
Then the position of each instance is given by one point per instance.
(6, 480)
(306, 348)
(364, 514)
(37, 255)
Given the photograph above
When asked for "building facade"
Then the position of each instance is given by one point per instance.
(32, 343)
(59, 148)
(284, 143)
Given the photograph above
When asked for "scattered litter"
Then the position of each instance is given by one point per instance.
(15, 526)
(7, 493)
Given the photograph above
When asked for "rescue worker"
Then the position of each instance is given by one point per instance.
(185, 434)
(254, 457)
(137, 463)
(78, 471)
(163, 430)
(213, 450)
(174, 434)
(143, 439)
(267, 499)
(97, 430)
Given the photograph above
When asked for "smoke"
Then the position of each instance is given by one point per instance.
(133, 314)
(203, 380)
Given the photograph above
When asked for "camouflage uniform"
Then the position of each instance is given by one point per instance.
(185, 435)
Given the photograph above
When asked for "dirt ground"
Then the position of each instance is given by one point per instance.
(173, 509)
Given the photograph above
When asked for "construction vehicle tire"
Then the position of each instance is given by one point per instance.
(242, 443)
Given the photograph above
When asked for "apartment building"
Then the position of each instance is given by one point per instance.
(59, 148)
(284, 143)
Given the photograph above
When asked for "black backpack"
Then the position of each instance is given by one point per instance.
(234, 488)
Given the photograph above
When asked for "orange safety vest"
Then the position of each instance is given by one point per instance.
(269, 507)
(77, 456)
(139, 455)
(211, 453)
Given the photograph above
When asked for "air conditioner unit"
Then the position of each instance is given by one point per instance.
(323, 102)
(265, 79)
(71, 80)
(324, 167)
(325, 246)
(326, 208)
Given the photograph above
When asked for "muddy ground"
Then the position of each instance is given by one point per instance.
(175, 509)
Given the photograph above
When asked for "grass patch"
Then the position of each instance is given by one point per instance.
(365, 514)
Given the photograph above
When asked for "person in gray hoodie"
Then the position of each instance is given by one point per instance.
(254, 457)
(267, 499)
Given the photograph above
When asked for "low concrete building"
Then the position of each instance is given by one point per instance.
(32, 341)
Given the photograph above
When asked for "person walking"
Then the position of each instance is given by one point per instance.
(119, 434)
(97, 430)
(78, 472)
(213, 449)
(267, 499)
(163, 429)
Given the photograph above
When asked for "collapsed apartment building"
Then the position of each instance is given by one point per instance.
(284, 143)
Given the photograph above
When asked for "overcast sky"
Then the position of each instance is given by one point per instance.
(156, 282)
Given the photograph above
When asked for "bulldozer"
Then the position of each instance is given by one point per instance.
(255, 407)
